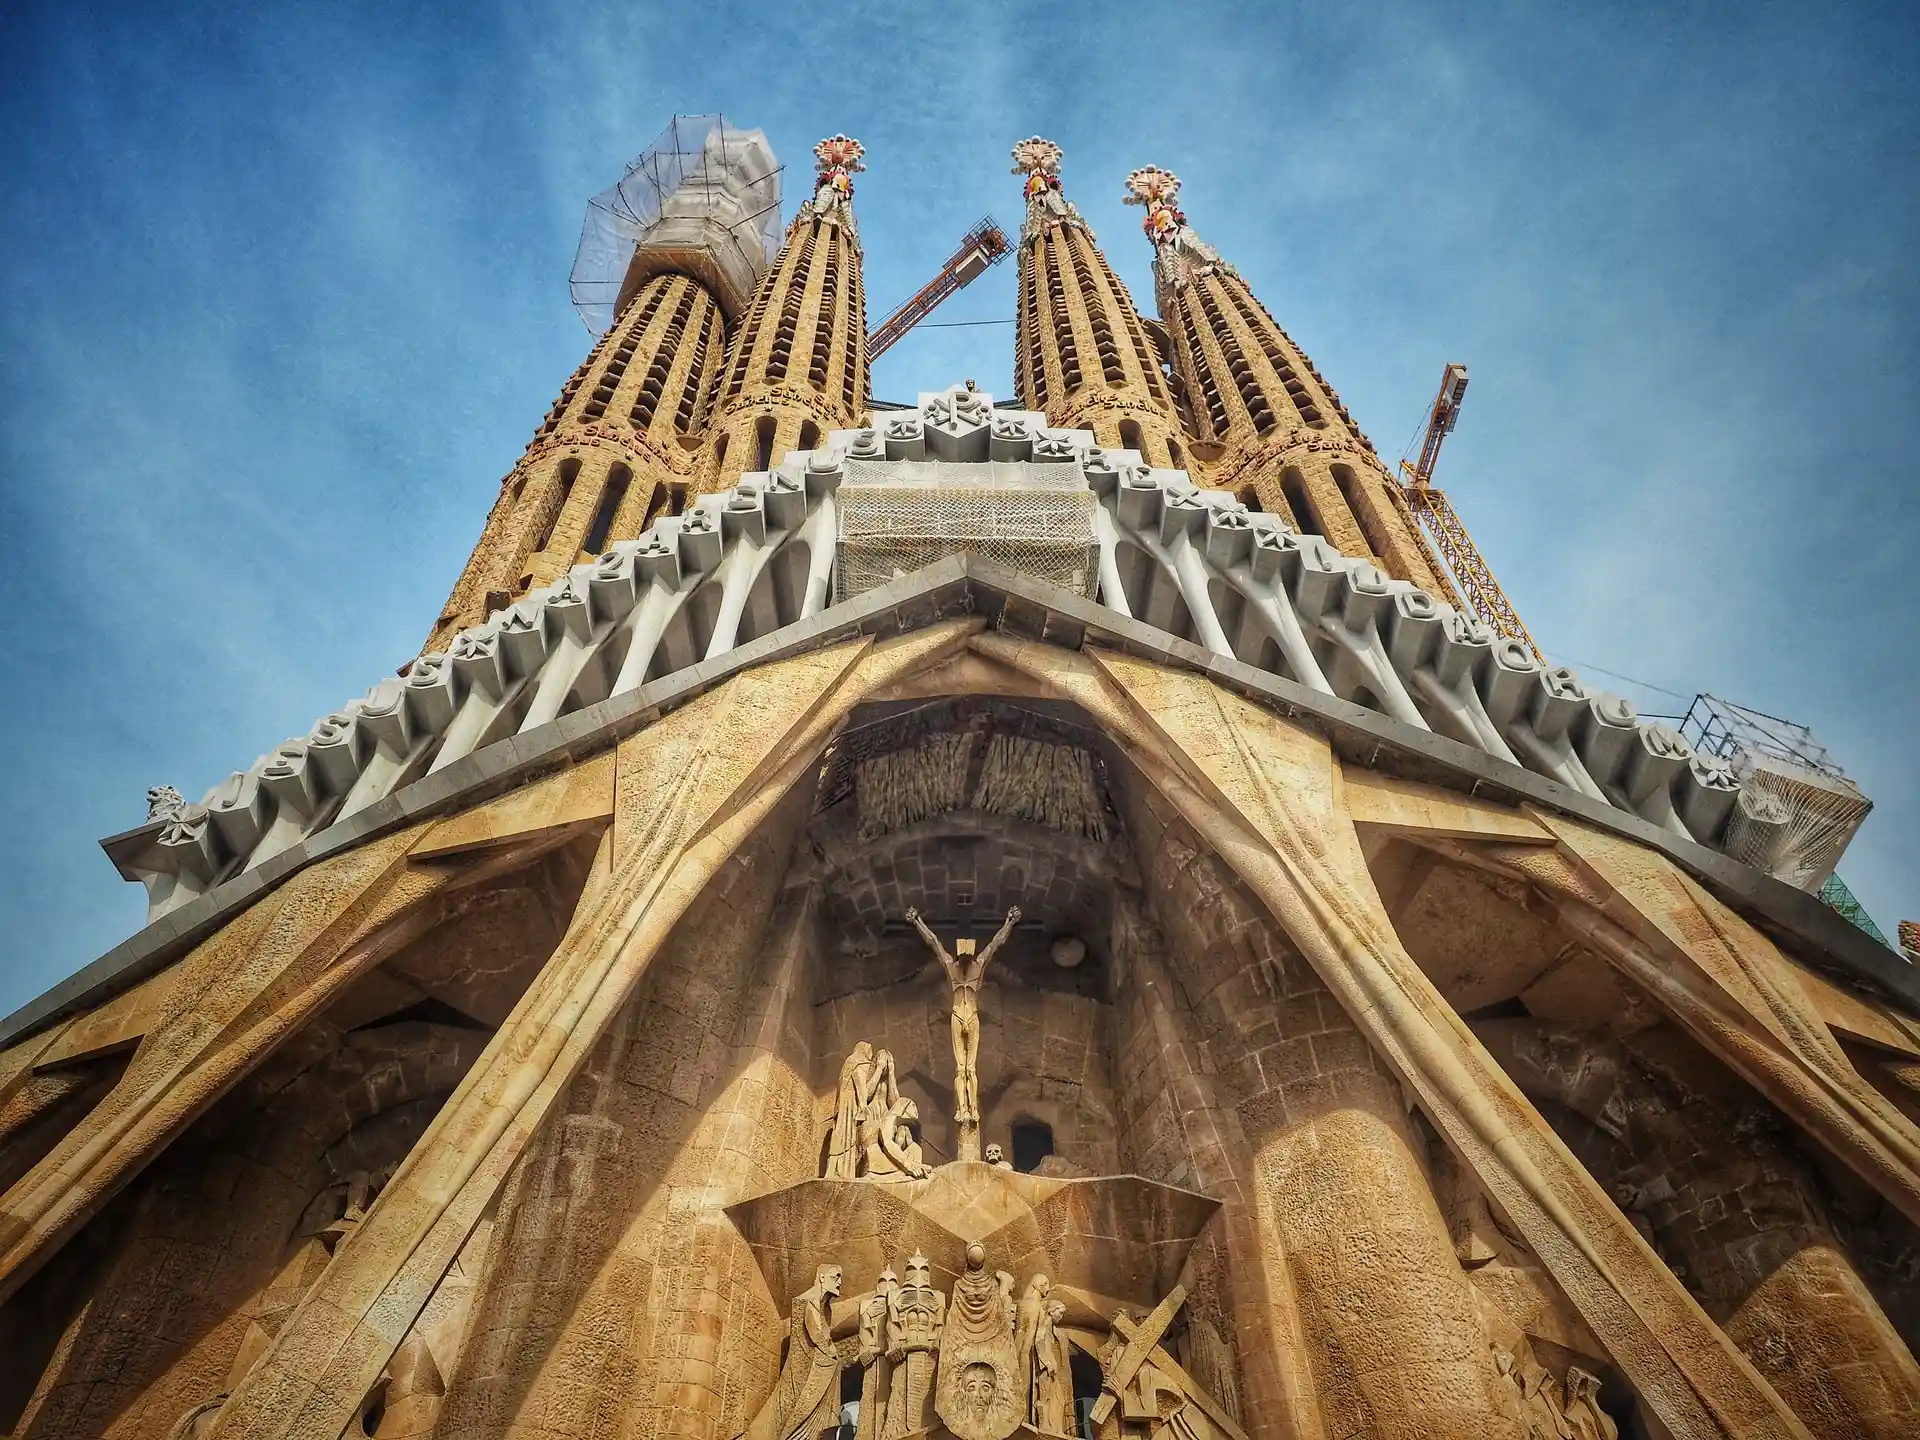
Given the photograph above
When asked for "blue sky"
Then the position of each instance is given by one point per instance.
(283, 294)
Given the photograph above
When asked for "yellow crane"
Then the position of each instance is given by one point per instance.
(1472, 576)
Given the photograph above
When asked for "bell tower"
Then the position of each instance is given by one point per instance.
(1263, 421)
(624, 440)
(798, 367)
(1082, 353)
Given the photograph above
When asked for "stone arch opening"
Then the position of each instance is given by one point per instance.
(1032, 1143)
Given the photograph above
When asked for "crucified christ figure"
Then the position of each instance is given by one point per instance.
(965, 974)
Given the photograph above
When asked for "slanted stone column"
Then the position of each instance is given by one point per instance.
(1723, 1199)
(1336, 1202)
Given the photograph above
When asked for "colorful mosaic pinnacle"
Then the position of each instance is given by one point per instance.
(839, 156)
(1157, 189)
(1039, 161)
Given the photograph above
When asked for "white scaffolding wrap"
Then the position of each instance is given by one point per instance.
(1796, 810)
(705, 193)
(898, 516)
(1793, 822)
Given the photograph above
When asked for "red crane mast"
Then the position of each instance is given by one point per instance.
(985, 245)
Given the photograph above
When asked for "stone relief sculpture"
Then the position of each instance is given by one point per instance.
(890, 1152)
(979, 1394)
(965, 974)
(806, 1400)
(1589, 1421)
(1540, 1404)
(876, 1370)
(997, 1157)
(873, 1122)
(1551, 1411)
(916, 1316)
(1151, 1400)
(865, 1078)
(1029, 1316)
(1052, 1373)
(164, 802)
(1210, 1362)
(332, 1217)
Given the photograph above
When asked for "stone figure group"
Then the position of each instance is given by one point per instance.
(873, 1122)
(1553, 1411)
(982, 1363)
(806, 1401)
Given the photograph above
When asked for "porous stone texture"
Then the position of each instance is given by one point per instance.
(220, 1238)
(322, 1192)
(620, 446)
(1733, 1209)
(798, 367)
(1081, 350)
(1330, 1167)
(620, 1300)
(1267, 426)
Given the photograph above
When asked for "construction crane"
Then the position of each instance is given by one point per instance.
(985, 245)
(1471, 574)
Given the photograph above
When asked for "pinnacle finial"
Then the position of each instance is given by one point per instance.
(1039, 160)
(836, 160)
(1158, 191)
(839, 153)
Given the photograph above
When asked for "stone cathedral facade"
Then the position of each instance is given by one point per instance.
(973, 918)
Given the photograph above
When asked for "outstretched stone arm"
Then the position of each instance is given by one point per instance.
(999, 939)
(933, 940)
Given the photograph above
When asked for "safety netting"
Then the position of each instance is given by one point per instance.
(698, 161)
(898, 516)
(1797, 810)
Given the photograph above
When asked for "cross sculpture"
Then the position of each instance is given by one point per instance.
(965, 973)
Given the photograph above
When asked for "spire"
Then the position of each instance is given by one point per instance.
(1262, 420)
(623, 441)
(798, 367)
(1083, 354)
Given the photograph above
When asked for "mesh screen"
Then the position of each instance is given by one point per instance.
(1793, 823)
(898, 516)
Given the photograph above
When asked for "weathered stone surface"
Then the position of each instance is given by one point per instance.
(527, 1134)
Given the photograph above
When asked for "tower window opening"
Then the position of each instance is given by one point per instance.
(1294, 486)
(569, 470)
(1032, 1143)
(612, 495)
(657, 502)
(1130, 437)
(854, 375)
(763, 429)
(1173, 448)
(1249, 497)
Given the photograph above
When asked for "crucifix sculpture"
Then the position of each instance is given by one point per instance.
(965, 973)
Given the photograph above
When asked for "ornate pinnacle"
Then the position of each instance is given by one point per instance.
(836, 160)
(1158, 190)
(839, 156)
(1039, 160)
(839, 152)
